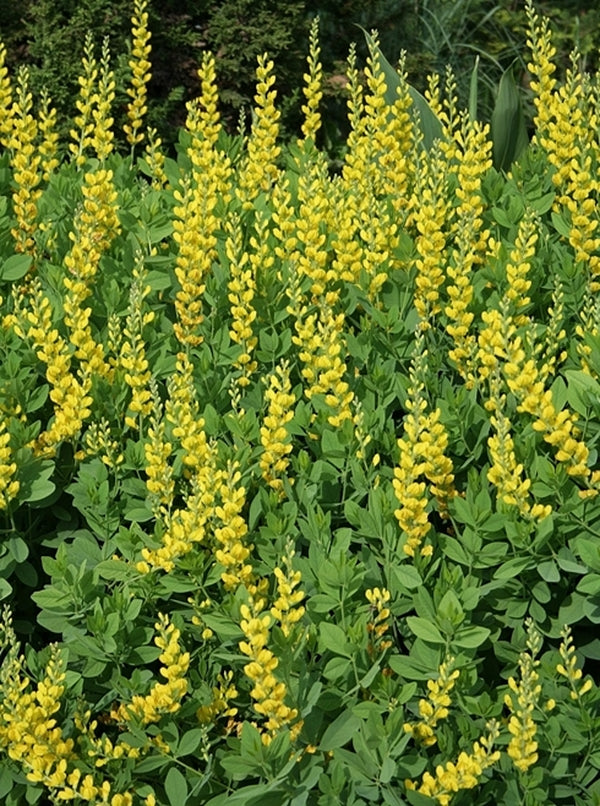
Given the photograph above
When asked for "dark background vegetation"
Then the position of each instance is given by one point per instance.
(48, 36)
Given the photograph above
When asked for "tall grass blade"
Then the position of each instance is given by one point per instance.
(474, 90)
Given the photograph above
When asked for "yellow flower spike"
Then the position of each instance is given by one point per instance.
(6, 98)
(195, 222)
(268, 693)
(258, 170)
(378, 623)
(322, 347)
(102, 137)
(140, 73)
(465, 773)
(50, 137)
(435, 707)
(430, 211)
(522, 702)
(231, 551)
(9, 486)
(242, 287)
(568, 667)
(26, 166)
(274, 436)
(163, 698)
(312, 88)
(286, 608)
(130, 348)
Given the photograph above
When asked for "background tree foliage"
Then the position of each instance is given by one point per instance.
(48, 36)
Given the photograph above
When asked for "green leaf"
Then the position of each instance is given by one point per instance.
(509, 133)
(549, 571)
(471, 637)
(589, 551)
(15, 268)
(406, 576)
(5, 588)
(425, 630)
(340, 731)
(334, 639)
(190, 742)
(176, 787)
(18, 548)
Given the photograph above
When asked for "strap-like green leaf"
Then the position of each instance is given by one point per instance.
(509, 133)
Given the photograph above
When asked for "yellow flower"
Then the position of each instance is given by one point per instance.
(568, 667)
(464, 774)
(522, 702)
(286, 608)
(258, 170)
(242, 287)
(274, 436)
(163, 698)
(378, 623)
(435, 707)
(6, 107)
(9, 486)
(232, 553)
(312, 88)
(26, 166)
(140, 69)
(268, 693)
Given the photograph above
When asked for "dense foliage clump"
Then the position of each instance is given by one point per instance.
(298, 469)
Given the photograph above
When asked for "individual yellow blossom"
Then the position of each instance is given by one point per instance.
(274, 436)
(435, 708)
(140, 70)
(163, 698)
(463, 774)
(568, 667)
